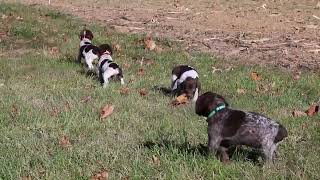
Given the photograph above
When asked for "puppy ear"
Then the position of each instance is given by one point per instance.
(90, 36)
(223, 100)
(204, 103)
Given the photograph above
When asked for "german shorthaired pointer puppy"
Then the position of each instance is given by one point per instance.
(228, 127)
(88, 51)
(185, 80)
(107, 68)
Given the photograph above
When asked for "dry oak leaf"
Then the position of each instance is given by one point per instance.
(296, 75)
(116, 47)
(149, 43)
(126, 66)
(14, 111)
(124, 91)
(141, 72)
(255, 76)
(106, 111)
(297, 113)
(182, 99)
(26, 177)
(103, 175)
(313, 110)
(143, 92)
(64, 141)
(54, 51)
(155, 160)
(241, 91)
(86, 99)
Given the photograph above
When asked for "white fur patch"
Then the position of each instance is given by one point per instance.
(84, 41)
(191, 73)
(103, 57)
(89, 58)
(195, 96)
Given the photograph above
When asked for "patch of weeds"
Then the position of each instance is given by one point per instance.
(23, 30)
(55, 15)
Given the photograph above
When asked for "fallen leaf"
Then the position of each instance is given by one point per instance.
(67, 106)
(65, 38)
(19, 18)
(89, 86)
(296, 75)
(106, 111)
(141, 72)
(158, 49)
(143, 92)
(126, 66)
(297, 113)
(54, 51)
(116, 47)
(149, 43)
(241, 91)
(54, 112)
(26, 177)
(147, 62)
(4, 16)
(182, 99)
(64, 141)
(313, 110)
(155, 160)
(102, 175)
(86, 99)
(124, 91)
(214, 70)
(255, 76)
(126, 178)
(14, 111)
(3, 34)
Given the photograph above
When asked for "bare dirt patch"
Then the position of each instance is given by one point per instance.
(283, 33)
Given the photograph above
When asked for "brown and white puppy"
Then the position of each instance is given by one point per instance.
(88, 51)
(228, 127)
(185, 80)
(107, 68)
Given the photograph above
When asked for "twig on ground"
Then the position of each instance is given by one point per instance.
(316, 17)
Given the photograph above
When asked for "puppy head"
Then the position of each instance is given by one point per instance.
(207, 102)
(86, 34)
(105, 48)
(189, 87)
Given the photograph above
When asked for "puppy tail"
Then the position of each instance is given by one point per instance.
(282, 133)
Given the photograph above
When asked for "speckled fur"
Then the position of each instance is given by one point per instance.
(229, 127)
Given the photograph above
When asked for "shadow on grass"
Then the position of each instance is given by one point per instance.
(163, 90)
(235, 153)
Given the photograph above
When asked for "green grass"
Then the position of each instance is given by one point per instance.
(46, 90)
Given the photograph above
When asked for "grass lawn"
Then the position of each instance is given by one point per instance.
(44, 96)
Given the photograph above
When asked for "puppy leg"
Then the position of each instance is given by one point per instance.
(223, 154)
(173, 81)
(195, 96)
(106, 75)
(89, 63)
(268, 150)
(122, 81)
(214, 140)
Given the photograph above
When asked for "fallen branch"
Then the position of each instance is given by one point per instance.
(316, 17)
